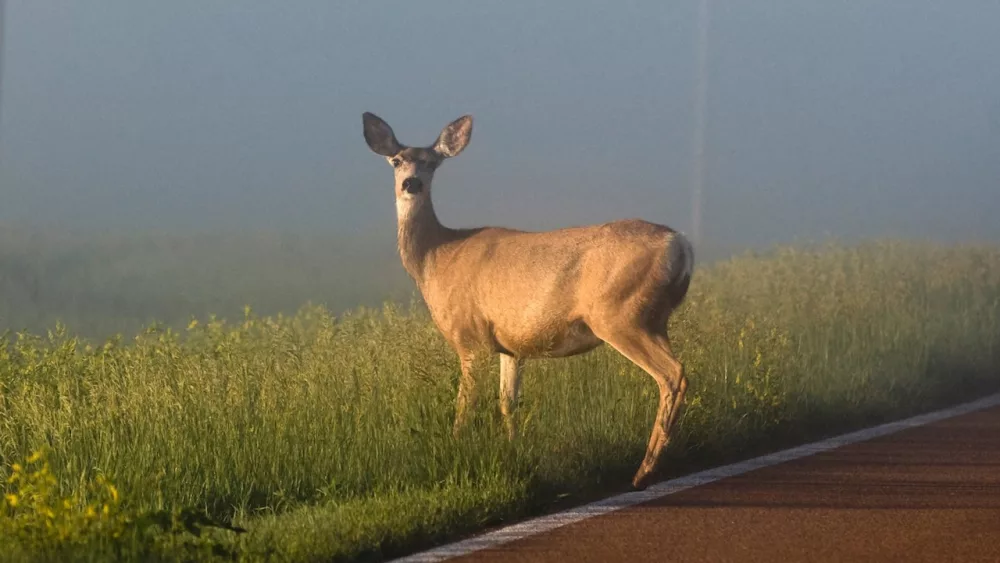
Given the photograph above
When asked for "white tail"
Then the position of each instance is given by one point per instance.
(539, 294)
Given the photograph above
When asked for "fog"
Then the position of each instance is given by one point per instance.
(843, 119)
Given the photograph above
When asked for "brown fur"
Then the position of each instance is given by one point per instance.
(540, 294)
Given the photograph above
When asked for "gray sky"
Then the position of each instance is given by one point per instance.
(844, 118)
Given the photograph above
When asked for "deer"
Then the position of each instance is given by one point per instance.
(529, 294)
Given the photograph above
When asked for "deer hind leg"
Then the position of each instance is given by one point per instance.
(510, 383)
(651, 352)
(466, 398)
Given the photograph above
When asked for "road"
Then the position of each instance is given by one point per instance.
(929, 493)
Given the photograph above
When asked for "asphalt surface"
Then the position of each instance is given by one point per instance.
(930, 493)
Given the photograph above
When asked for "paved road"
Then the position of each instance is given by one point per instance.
(930, 493)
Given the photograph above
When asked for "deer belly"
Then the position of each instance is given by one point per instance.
(550, 342)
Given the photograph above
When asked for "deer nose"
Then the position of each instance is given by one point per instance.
(412, 185)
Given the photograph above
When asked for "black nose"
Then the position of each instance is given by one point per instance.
(413, 185)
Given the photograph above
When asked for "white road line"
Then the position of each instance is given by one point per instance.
(544, 524)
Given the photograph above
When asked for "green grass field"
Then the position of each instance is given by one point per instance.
(329, 438)
(103, 283)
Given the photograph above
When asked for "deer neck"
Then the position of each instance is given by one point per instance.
(419, 233)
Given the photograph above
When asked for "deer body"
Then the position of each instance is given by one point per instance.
(539, 294)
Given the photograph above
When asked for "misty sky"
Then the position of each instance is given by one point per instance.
(844, 118)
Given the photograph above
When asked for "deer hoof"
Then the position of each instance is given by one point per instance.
(640, 481)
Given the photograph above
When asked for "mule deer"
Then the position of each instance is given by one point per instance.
(538, 294)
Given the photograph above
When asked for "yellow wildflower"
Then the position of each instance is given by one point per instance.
(113, 491)
(11, 500)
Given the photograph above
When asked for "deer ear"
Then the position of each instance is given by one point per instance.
(379, 135)
(454, 137)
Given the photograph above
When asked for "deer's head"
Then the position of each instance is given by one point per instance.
(414, 166)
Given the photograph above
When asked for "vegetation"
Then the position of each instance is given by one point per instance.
(101, 284)
(316, 437)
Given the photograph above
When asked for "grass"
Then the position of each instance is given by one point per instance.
(103, 283)
(329, 438)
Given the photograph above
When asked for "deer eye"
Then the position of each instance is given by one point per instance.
(396, 162)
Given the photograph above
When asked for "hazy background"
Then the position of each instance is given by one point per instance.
(155, 121)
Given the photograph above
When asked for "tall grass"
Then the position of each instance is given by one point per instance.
(330, 438)
(100, 284)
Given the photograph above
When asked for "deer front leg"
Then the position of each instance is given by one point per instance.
(510, 382)
(466, 398)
